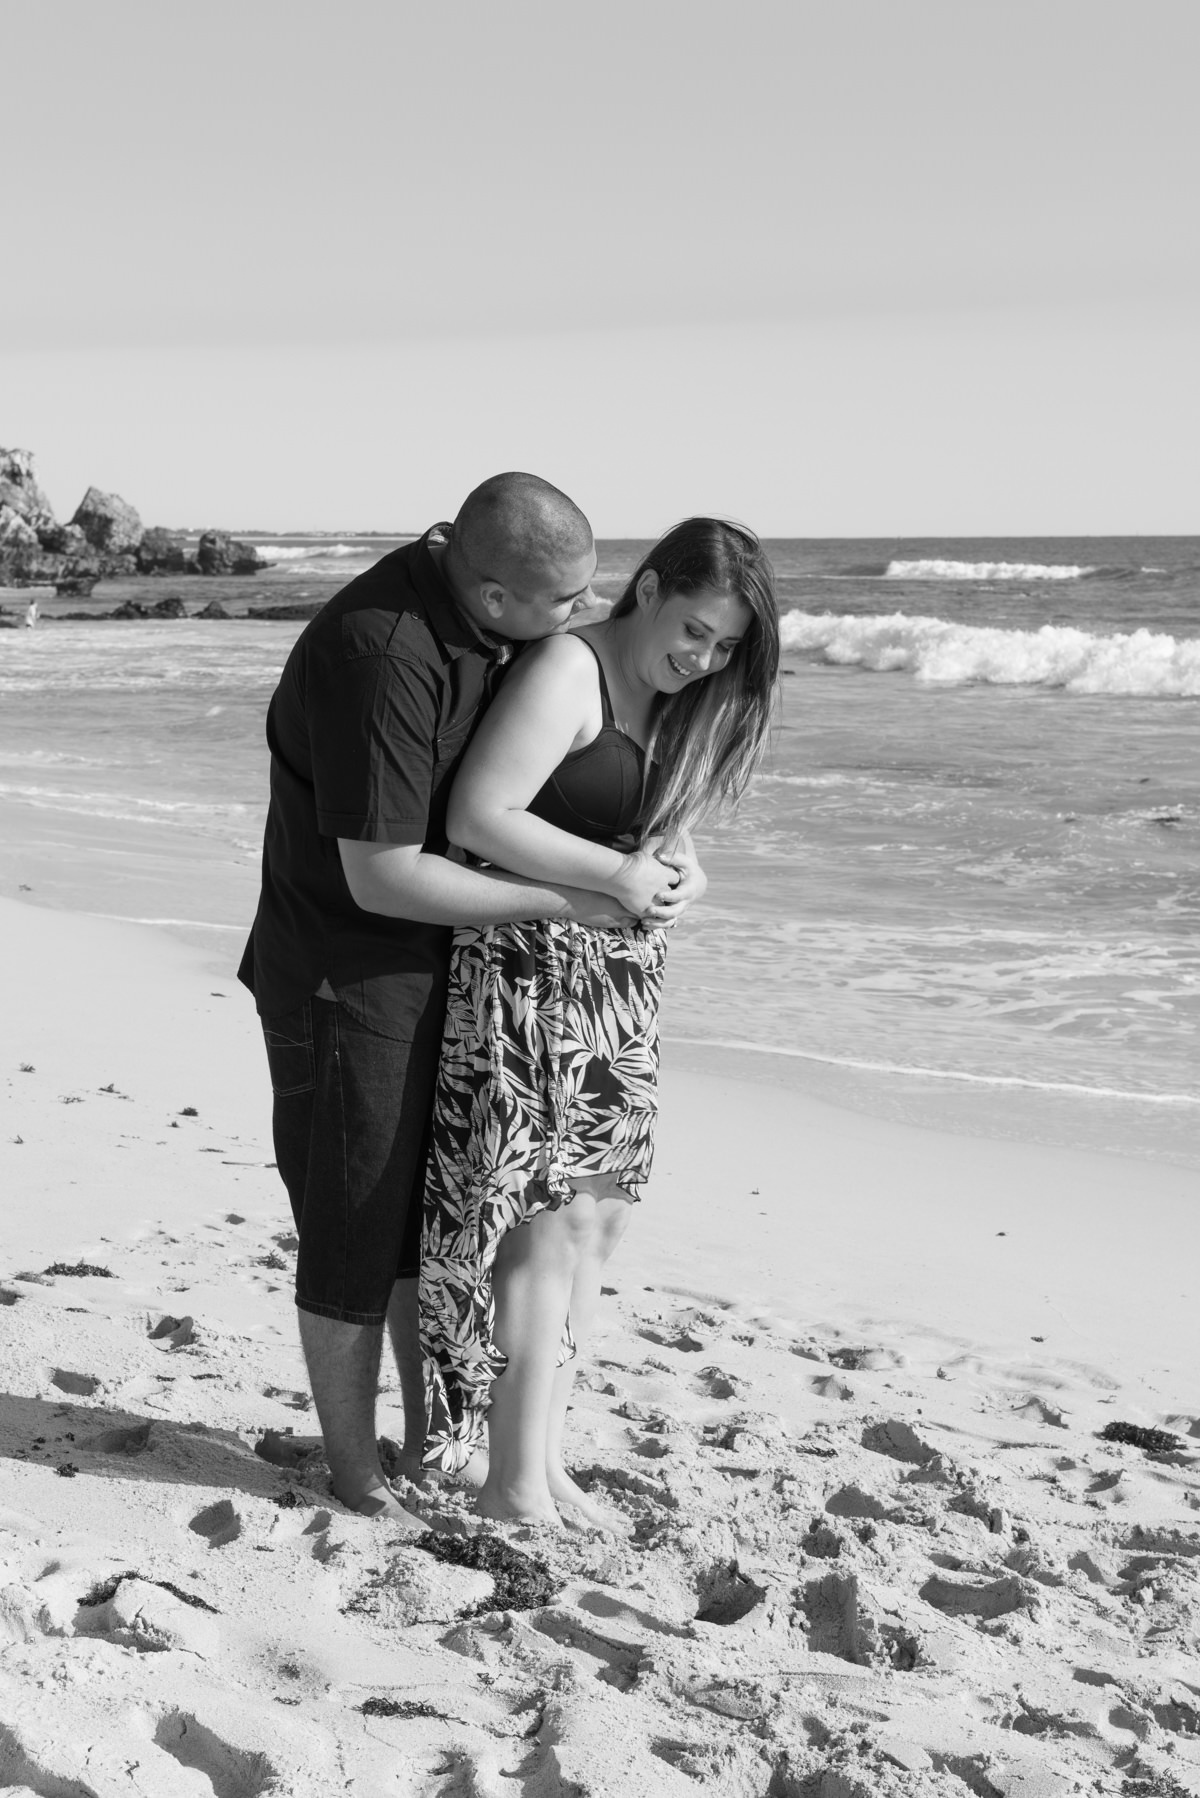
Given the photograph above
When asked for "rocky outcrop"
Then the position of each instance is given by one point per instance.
(219, 553)
(164, 552)
(19, 491)
(109, 523)
(104, 538)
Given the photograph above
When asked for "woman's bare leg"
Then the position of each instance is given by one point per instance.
(532, 1283)
(611, 1219)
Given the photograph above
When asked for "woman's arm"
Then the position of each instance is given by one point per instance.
(547, 705)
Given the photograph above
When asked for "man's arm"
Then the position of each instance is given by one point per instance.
(399, 880)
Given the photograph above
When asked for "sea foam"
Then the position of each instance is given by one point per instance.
(310, 552)
(1140, 664)
(936, 569)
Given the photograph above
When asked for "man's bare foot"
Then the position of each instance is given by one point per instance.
(580, 1507)
(381, 1504)
(510, 1505)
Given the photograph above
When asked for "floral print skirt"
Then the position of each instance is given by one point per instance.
(549, 1073)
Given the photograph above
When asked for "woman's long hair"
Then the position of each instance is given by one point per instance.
(709, 738)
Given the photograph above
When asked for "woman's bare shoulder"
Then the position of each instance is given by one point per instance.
(563, 656)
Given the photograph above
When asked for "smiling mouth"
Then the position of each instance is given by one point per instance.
(683, 673)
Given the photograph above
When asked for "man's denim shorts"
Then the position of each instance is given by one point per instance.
(351, 1126)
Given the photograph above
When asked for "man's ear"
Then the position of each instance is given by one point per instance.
(492, 597)
(647, 588)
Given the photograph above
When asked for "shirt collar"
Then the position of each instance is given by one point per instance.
(456, 631)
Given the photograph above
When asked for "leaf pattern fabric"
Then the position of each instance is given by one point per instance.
(549, 1072)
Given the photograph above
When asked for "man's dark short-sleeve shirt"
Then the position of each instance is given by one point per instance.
(366, 729)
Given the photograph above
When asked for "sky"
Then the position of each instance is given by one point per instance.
(872, 267)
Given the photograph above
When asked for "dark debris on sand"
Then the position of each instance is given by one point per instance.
(103, 1590)
(522, 1582)
(1155, 1442)
(80, 1270)
(398, 1707)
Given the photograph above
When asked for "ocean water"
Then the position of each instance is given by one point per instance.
(965, 889)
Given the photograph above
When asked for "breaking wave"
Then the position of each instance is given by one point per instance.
(935, 569)
(1138, 664)
(313, 552)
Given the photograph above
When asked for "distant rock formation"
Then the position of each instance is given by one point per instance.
(105, 537)
(219, 553)
(164, 552)
(19, 491)
(109, 523)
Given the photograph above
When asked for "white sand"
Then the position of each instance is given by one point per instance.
(818, 1395)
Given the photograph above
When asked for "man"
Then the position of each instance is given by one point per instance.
(349, 951)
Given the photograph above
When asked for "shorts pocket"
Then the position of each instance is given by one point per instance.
(290, 1054)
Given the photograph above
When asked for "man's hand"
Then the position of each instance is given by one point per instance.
(599, 911)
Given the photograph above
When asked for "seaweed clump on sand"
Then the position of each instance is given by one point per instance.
(1155, 1442)
(80, 1270)
(521, 1581)
(103, 1590)
(399, 1707)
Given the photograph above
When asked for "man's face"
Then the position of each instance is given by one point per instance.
(546, 603)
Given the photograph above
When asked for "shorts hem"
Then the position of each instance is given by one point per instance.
(340, 1314)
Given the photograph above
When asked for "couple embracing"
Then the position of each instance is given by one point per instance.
(471, 860)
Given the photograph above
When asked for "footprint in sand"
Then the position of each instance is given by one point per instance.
(828, 1385)
(685, 1343)
(1036, 1410)
(174, 1332)
(126, 1439)
(218, 1523)
(898, 1440)
(81, 1385)
(282, 1449)
(292, 1397)
(717, 1384)
(869, 1360)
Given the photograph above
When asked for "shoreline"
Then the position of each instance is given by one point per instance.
(1061, 1197)
(148, 872)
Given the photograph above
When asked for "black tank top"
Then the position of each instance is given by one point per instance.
(596, 791)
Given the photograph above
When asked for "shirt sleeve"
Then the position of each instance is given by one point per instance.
(373, 737)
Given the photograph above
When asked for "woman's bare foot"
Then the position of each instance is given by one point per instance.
(581, 1507)
(513, 1505)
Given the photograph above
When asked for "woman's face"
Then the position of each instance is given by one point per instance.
(684, 636)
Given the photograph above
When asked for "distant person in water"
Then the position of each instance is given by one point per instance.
(350, 947)
(31, 614)
(600, 750)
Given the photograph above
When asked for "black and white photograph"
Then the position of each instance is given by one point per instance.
(599, 887)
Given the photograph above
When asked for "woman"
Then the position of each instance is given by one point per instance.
(600, 751)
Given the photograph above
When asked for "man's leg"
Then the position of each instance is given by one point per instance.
(343, 1371)
(349, 1134)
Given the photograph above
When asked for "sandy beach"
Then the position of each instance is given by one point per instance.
(848, 1393)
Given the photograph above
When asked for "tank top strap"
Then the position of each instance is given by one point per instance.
(607, 713)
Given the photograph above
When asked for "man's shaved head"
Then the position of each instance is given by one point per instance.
(517, 529)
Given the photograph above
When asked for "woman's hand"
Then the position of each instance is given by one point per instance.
(642, 882)
(688, 883)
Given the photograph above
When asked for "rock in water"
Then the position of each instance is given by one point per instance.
(162, 552)
(109, 523)
(219, 553)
